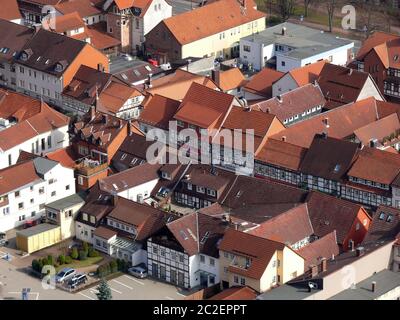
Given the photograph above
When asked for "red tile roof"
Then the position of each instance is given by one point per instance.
(9, 10)
(325, 247)
(198, 233)
(261, 82)
(328, 213)
(307, 74)
(104, 232)
(379, 129)
(258, 249)
(68, 22)
(236, 293)
(84, 8)
(220, 16)
(158, 111)
(343, 121)
(376, 39)
(99, 37)
(289, 227)
(294, 102)
(176, 85)
(231, 79)
(376, 165)
(66, 156)
(281, 154)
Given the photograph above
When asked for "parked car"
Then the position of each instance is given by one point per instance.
(139, 271)
(77, 280)
(65, 274)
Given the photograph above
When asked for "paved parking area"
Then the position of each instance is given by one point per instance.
(127, 287)
(14, 278)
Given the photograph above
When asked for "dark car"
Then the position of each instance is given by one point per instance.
(77, 280)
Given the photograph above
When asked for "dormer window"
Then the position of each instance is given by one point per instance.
(59, 67)
(165, 175)
(200, 189)
(24, 56)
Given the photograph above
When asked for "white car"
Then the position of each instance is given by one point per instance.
(65, 274)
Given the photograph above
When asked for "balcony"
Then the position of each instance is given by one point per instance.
(90, 167)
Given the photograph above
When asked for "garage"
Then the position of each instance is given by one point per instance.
(38, 237)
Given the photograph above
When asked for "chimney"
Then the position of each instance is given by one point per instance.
(373, 143)
(324, 265)
(215, 76)
(284, 138)
(115, 200)
(351, 245)
(373, 286)
(326, 122)
(236, 226)
(284, 31)
(279, 97)
(149, 77)
(360, 251)
(268, 110)
(350, 71)
(314, 270)
(92, 113)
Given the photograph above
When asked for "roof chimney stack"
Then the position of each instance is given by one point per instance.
(314, 270)
(351, 245)
(215, 76)
(284, 31)
(92, 113)
(324, 265)
(373, 286)
(284, 138)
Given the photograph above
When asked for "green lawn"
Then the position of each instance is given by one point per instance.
(81, 264)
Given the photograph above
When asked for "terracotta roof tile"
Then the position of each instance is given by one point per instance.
(236, 293)
(385, 225)
(220, 16)
(68, 22)
(258, 249)
(343, 121)
(325, 247)
(376, 39)
(294, 102)
(84, 8)
(261, 82)
(288, 227)
(9, 10)
(282, 154)
(307, 74)
(231, 79)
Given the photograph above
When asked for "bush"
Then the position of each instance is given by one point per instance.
(50, 260)
(122, 265)
(74, 253)
(93, 253)
(68, 259)
(101, 271)
(85, 247)
(61, 259)
(44, 261)
(82, 255)
(36, 265)
(113, 266)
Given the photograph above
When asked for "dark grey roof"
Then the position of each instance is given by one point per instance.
(43, 165)
(286, 292)
(47, 49)
(386, 281)
(36, 229)
(67, 202)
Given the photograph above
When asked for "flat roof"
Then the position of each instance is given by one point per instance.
(43, 227)
(67, 202)
(386, 281)
(306, 41)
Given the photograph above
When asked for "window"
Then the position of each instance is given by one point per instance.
(80, 180)
(32, 200)
(382, 216)
(162, 252)
(200, 189)
(181, 258)
(49, 141)
(9, 160)
(246, 48)
(51, 181)
(189, 186)
(33, 213)
(155, 250)
(180, 123)
(235, 279)
(53, 193)
(20, 205)
(92, 219)
(202, 259)
(67, 187)
(283, 63)
(17, 194)
(212, 262)
(389, 218)
(242, 281)
(211, 192)
(85, 217)
(137, 23)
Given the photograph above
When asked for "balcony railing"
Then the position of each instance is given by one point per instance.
(89, 169)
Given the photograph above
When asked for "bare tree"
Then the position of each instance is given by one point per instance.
(286, 8)
(307, 4)
(331, 6)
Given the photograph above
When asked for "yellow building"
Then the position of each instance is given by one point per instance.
(38, 237)
(212, 30)
(259, 263)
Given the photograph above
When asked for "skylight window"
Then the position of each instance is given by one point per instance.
(337, 168)
(382, 216)
(123, 156)
(136, 72)
(389, 218)
(148, 68)
(115, 186)
(183, 235)
(205, 237)
(124, 76)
